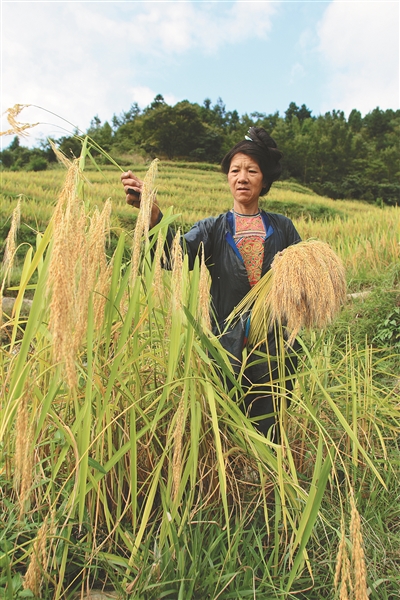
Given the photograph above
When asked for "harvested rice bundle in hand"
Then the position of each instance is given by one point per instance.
(308, 286)
(304, 288)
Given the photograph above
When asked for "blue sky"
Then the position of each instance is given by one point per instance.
(80, 59)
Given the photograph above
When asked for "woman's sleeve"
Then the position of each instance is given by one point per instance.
(291, 234)
(200, 233)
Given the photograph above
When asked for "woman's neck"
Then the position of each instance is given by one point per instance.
(246, 209)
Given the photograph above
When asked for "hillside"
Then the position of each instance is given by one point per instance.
(197, 191)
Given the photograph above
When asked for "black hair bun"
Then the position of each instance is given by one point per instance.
(259, 136)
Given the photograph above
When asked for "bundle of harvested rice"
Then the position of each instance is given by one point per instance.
(305, 287)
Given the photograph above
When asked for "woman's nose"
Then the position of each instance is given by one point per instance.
(242, 176)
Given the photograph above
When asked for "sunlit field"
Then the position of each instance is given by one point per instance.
(355, 229)
(126, 464)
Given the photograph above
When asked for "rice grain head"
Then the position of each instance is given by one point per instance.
(177, 455)
(177, 266)
(16, 127)
(308, 285)
(9, 252)
(342, 579)
(157, 283)
(204, 293)
(306, 288)
(340, 557)
(10, 243)
(64, 160)
(78, 268)
(148, 196)
(358, 557)
(94, 272)
(21, 429)
(67, 272)
(38, 563)
(97, 251)
(137, 246)
(24, 453)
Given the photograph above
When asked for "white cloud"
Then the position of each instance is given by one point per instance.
(359, 43)
(178, 27)
(144, 96)
(297, 72)
(82, 59)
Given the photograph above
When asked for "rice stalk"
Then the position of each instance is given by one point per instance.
(16, 127)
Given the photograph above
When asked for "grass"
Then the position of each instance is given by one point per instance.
(153, 482)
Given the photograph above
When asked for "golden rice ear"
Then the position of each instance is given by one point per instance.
(10, 248)
(60, 155)
(177, 454)
(38, 563)
(157, 283)
(176, 277)
(309, 286)
(16, 127)
(305, 287)
(148, 196)
(204, 293)
(357, 554)
(342, 580)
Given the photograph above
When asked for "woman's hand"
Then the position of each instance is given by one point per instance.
(133, 187)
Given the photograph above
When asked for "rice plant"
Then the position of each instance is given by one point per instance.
(125, 458)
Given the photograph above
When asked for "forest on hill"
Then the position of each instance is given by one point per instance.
(356, 157)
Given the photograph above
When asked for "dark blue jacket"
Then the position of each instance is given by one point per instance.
(229, 281)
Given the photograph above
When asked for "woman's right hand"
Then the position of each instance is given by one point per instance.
(133, 187)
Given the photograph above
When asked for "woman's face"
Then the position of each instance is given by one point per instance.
(246, 181)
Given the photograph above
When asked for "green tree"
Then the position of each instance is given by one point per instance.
(172, 131)
(70, 145)
(17, 157)
(301, 113)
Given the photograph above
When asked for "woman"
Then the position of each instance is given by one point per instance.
(239, 247)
